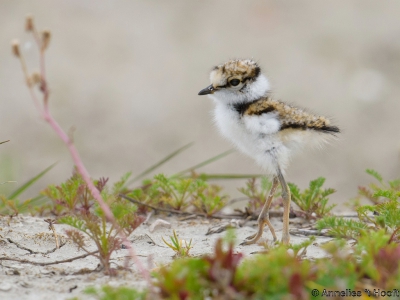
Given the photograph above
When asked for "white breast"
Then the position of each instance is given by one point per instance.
(253, 135)
(267, 123)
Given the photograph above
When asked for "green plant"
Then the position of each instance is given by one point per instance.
(383, 215)
(177, 192)
(286, 275)
(210, 276)
(11, 205)
(278, 274)
(37, 83)
(377, 192)
(341, 227)
(207, 199)
(184, 189)
(77, 208)
(282, 273)
(300, 249)
(181, 247)
(115, 293)
(180, 193)
(313, 202)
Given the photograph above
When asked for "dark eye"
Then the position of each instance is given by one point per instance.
(234, 82)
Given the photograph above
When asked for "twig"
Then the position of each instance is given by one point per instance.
(231, 224)
(272, 214)
(34, 252)
(51, 227)
(154, 241)
(25, 261)
(346, 215)
(393, 235)
(232, 201)
(178, 212)
(148, 218)
(308, 232)
(72, 288)
(158, 223)
(187, 218)
(154, 207)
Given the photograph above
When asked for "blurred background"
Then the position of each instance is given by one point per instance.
(125, 75)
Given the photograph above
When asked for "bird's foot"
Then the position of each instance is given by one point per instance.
(247, 242)
(252, 239)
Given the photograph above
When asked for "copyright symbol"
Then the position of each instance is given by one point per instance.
(315, 292)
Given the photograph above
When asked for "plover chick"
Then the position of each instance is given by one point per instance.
(267, 130)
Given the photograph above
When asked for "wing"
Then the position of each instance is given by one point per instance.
(270, 116)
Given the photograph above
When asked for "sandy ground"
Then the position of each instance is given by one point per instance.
(67, 280)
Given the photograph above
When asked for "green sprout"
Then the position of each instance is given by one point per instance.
(181, 247)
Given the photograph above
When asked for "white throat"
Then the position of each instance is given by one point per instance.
(257, 89)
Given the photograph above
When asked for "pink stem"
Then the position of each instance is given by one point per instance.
(80, 166)
(93, 190)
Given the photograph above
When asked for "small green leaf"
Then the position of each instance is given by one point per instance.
(375, 174)
(204, 163)
(341, 227)
(160, 163)
(395, 184)
(294, 190)
(390, 194)
(206, 176)
(26, 185)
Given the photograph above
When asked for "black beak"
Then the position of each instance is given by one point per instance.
(208, 90)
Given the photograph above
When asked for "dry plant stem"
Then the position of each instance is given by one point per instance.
(178, 212)
(31, 251)
(29, 84)
(73, 151)
(148, 218)
(393, 235)
(25, 261)
(308, 232)
(52, 228)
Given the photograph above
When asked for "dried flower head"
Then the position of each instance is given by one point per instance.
(15, 48)
(36, 78)
(45, 39)
(29, 26)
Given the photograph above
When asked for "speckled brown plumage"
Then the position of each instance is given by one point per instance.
(244, 70)
(290, 117)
